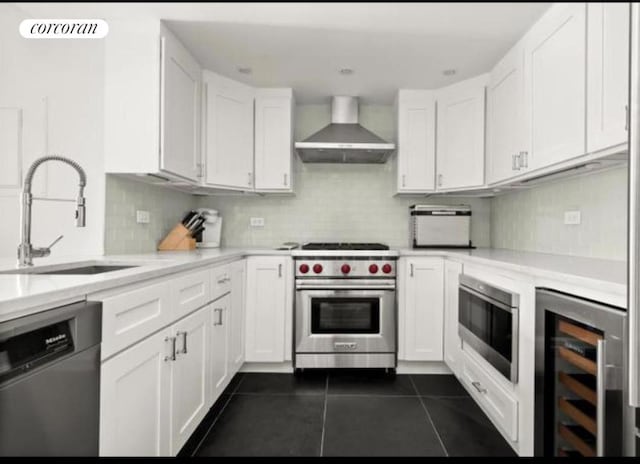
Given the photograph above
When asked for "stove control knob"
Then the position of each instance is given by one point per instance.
(386, 268)
(373, 269)
(304, 268)
(345, 269)
(317, 268)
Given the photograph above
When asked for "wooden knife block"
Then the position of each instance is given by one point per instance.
(178, 239)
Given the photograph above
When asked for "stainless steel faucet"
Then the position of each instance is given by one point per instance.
(26, 251)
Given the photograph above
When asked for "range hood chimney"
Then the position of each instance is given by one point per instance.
(344, 140)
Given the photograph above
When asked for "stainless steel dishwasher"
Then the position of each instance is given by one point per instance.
(50, 382)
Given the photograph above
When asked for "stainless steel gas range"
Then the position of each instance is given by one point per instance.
(345, 306)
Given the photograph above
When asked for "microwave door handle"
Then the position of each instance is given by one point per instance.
(499, 304)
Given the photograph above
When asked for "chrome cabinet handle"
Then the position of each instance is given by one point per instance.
(601, 394)
(411, 269)
(439, 180)
(280, 270)
(478, 386)
(219, 321)
(172, 357)
(524, 160)
(404, 180)
(515, 162)
(250, 178)
(184, 342)
(626, 118)
(285, 179)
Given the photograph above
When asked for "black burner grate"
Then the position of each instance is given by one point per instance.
(344, 246)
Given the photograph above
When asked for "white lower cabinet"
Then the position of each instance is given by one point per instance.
(219, 345)
(421, 309)
(135, 399)
(237, 316)
(265, 307)
(452, 342)
(495, 400)
(189, 377)
(155, 394)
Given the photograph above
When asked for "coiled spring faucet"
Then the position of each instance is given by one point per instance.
(26, 251)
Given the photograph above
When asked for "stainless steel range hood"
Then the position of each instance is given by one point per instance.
(344, 140)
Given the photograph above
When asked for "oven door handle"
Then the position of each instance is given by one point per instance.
(338, 288)
(483, 297)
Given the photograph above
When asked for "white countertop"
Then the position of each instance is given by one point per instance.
(22, 294)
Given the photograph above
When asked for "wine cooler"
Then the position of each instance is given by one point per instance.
(581, 385)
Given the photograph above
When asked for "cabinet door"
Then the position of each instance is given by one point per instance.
(461, 128)
(505, 99)
(220, 345)
(424, 308)
(179, 110)
(190, 376)
(607, 74)
(273, 142)
(135, 400)
(555, 72)
(228, 137)
(416, 141)
(452, 342)
(266, 288)
(236, 316)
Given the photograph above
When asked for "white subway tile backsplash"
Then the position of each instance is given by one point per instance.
(533, 219)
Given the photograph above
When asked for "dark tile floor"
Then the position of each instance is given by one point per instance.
(346, 413)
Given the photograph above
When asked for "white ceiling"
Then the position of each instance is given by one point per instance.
(303, 45)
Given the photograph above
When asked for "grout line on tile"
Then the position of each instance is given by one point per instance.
(424, 406)
(278, 394)
(324, 414)
(204, 437)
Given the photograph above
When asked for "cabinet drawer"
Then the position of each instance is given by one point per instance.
(190, 292)
(132, 314)
(498, 403)
(220, 281)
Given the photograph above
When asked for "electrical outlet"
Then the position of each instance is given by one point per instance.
(572, 217)
(143, 217)
(256, 222)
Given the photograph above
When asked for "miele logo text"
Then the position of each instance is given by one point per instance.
(55, 339)
(64, 28)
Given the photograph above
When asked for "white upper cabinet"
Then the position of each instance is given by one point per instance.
(152, 102)
(460, 134)
(273, 140)
(228, 133)
(179, 109)
(555, 81)
(505, 124)
(607, 74)
(416, 112)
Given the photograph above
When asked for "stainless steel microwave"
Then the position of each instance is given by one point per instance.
(488, 322)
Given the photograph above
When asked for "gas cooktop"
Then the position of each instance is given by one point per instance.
(344, 246)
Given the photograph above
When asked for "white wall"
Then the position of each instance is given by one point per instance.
(58, 86)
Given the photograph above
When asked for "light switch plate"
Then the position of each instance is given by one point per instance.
(256, 222)
(143, 217)
(572, 217)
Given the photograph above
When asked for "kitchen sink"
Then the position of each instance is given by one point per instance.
(71, 269)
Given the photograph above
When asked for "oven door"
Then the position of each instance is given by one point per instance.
(345, 321)
(491, 328)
